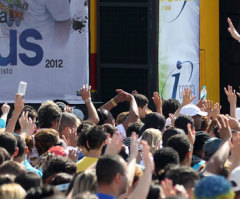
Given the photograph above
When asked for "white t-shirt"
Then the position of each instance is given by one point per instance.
(121, 130)
(35, 14)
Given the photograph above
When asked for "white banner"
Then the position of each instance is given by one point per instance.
(178, 47)
(44, 43)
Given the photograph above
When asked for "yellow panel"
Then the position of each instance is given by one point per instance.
(209, 45)
(93, 26)
(202, 68)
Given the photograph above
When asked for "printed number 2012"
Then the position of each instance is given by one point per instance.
(54, 63)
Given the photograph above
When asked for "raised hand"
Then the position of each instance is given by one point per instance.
(173, 118)
(70, 138)
(27, 124)
(187, 96)
(158, 102)
(201, 103)
(231, 95)
(224, 128)
(169, 190)
(121, 96)
(74, 154)
(85, 92)
(115, 144)
(191, 134)
(213, 110)
(19, 103)
(147, 156)
(5, 108)
(134, 145)
(127, 96)
(232, 30)
(233, 123)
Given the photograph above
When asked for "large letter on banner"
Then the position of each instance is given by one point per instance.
(178, 47)
(44, 43)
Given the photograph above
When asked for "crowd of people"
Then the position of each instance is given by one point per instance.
(178, 150)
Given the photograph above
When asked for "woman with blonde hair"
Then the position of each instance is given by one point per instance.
(12, 191)
(86, 181)
(153, 137)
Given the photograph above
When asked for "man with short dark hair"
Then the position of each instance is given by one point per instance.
(21, 156)
(9, 142)
(181, 144)
(28, 180)
(68, 127)
(142, 103)
(58, 164)
(182, 121)
(11, 167)
(49, 115)
(164, 156)
(154, 120)
(111, 176)
(185, 176)
(92, 142)
(170, 106)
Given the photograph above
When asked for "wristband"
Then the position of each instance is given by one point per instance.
(113, 102)
(88, 100)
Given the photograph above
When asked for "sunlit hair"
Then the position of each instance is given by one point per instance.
(86, 181)
(45, 139)
(121, 117)
(153, 138)
(12, 191)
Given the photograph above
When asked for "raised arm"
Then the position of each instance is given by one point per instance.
(18, 107)
(5, 110)
(187, 99)
(232, 99)
(27, 124)
(158, 102)
(132, 159)
(232, 30)
(142, 188)
(120, 97)
(191, 137)
(217, 161)
(133, 112)
(235, 148)
(86, 96)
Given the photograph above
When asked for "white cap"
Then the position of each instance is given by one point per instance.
(234, 178)
(192, 110)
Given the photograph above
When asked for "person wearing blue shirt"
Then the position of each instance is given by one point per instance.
(111, 176)
(21, 156)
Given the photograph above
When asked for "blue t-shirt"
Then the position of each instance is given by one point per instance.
(104, 196)
(2, 123)
(29, 167)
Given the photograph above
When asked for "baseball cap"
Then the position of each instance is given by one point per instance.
(78, 113)
(58, 150)
(192, 110)
(234, 178)
(61, 105)
(211, 146)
